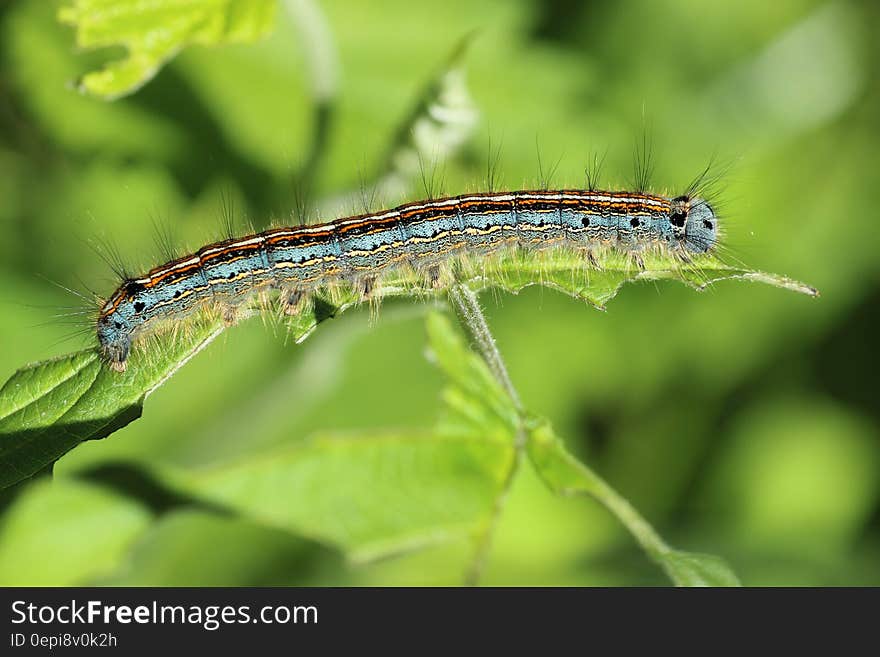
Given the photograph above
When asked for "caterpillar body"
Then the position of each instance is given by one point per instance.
(423, 235)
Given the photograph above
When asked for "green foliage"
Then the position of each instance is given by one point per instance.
(476, 403)
(437, 127)
(180, 549)
(48, 408)
(369, 495)
(714, 415)
(95, 527)
(154, 32)
(691, 569)
(565, 475)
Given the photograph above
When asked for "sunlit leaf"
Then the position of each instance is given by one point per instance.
(371, 495)
(566, 271)
(50, 407)
(378, 494)
(476, 405)
(196, 548)
(154, 32)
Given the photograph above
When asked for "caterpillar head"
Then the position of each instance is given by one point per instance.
(694, 224)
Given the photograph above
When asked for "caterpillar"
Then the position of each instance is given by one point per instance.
(424, 235)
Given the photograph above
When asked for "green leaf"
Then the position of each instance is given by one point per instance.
(379, 494)
(48, 408)
(565, 270)
(440, 123)
(65, 532)
(565, 475)
(476, 404)
(172, 552)
(154, 32)
(371, 495)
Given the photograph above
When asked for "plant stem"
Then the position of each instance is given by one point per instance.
(643, 532)
(470, 315)
(467, 309)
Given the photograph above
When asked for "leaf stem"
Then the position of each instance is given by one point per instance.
(566, 475)
(470, 315)
(467, 309)
(643, 532)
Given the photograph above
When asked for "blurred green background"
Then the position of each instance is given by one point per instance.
(742, 421)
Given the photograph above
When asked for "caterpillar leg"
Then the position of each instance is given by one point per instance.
(434, 280)
(368, 286)
(229, 314)
(292, 301)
